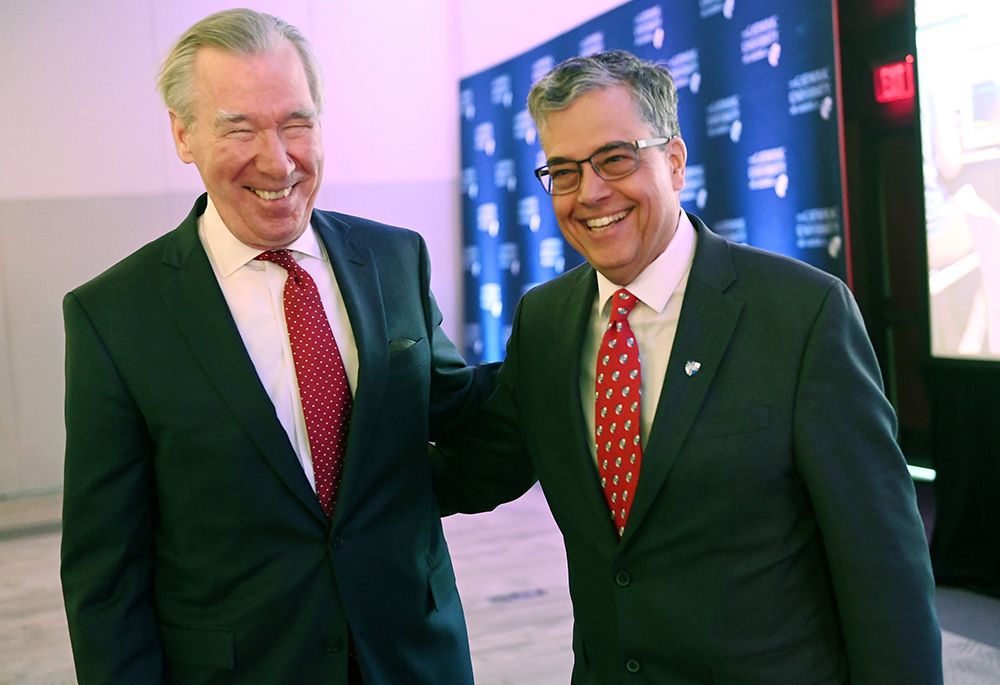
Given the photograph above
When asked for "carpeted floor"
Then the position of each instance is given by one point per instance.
(511, 573)
(967, 662)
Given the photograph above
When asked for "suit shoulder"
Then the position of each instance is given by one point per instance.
(560, 294)
(129, 271)
(762, 267)
(364, 230)
(138, 267)
(566, 282)
(785, 288)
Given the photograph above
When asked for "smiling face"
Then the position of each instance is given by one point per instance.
(255, 138)
(620, 226)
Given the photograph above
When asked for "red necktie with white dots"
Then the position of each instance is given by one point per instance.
(616, 410)
(322, 379)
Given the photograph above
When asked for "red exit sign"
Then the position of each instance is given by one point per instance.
(894, 81)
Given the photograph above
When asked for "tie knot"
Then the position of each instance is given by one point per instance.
(282, 258)
(622, 303)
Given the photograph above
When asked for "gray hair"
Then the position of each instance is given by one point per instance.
(237, 31)
(651, 86)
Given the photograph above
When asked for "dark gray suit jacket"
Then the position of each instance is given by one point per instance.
(194, 549)
(774, 535)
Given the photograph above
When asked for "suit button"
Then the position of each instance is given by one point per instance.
(632, 666)
(336, 543)
(333, 645)
(623, 578)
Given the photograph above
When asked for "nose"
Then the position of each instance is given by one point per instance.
(272, 156)
(592, 188)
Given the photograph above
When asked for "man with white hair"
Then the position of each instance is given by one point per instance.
(249, 400)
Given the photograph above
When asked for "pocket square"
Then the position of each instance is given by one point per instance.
(400, 344)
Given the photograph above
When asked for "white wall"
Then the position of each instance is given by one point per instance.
(88, 171)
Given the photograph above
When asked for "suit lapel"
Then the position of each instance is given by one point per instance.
(357, 278)
(571, 450)
(192, 295)
(707, 322)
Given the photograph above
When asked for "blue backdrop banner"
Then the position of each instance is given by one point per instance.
(759, 111)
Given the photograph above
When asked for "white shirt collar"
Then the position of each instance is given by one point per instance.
(229, 254)
(657, 282)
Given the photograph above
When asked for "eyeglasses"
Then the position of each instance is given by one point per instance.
(612, 162)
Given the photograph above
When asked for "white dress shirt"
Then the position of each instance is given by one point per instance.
(660, 290)
(254, 292)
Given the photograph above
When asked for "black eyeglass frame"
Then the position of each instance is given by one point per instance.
(543, 171)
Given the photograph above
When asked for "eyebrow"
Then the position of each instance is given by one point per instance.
(603, 148)
(304, 113)
(223, 117)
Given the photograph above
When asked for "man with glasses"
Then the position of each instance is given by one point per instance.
(707, 423)
(249, 399)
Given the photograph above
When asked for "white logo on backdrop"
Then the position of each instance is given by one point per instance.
(501, 92)
(761, 40)
(550, 254)
(722, 118)
(694, 189)
(818, 227)
(470, 182)
(471, 261)
(733, 230)
(811, 91)
(592, 44)
(524, 127)
(488, 219)
(509, 258)
(490, 299)
(528, 213)
(505, 175)
(710, 8)
(647, 29)
(685, 67)
(484, 138)
(769, 169)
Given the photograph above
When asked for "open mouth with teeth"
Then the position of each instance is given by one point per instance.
(605, 221)
(272, 194)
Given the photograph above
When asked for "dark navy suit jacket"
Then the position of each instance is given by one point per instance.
(774, 535)
(194, 549)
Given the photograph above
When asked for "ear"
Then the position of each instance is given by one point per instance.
(677, 154)
(181, 135)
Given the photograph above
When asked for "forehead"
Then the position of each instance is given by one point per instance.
(591, 121)
(231, 81)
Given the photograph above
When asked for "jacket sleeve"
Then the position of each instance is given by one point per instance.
(486, 464)
(457, 389)
(107, 516)
(863, 496)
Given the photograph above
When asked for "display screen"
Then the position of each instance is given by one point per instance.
(958, 82)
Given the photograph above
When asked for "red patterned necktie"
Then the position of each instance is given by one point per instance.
(322, 379)
(616, 411)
